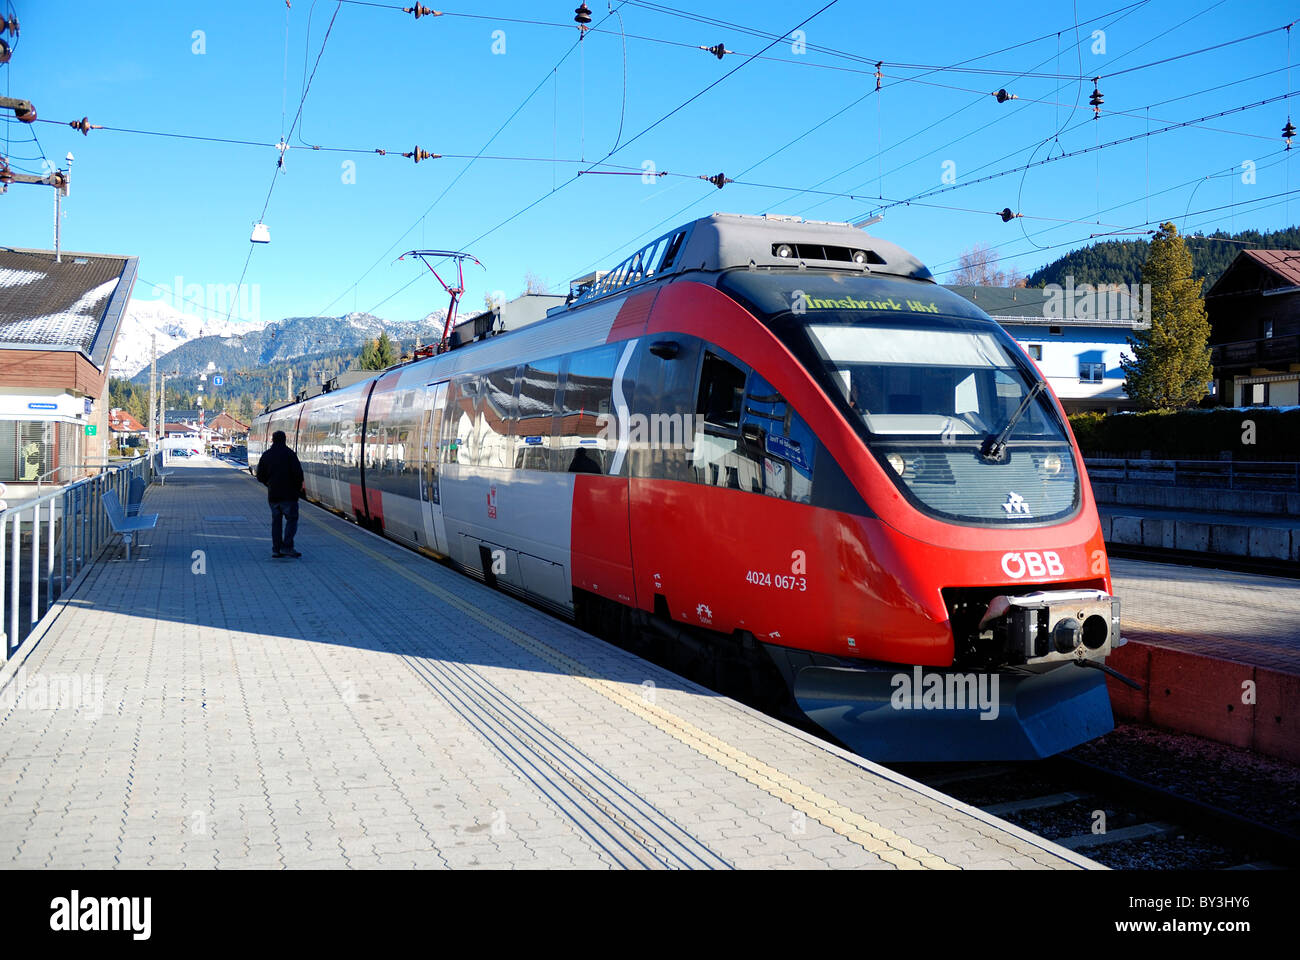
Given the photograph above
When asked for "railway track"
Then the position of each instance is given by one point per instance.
(1118, 820)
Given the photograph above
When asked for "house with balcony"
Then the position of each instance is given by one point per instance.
(1254, 313)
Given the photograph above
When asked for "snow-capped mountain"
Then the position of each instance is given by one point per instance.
(237, 348)
(145, 318)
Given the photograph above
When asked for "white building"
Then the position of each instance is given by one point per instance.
(58, 322)
(1077, 336)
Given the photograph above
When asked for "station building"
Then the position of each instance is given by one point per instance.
(1254, 313)
(1076, 335)
(58, 324)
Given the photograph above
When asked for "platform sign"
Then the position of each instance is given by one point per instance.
(91, 429)
(218, 381)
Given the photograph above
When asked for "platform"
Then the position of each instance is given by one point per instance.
(368, 707)
(1217, 654)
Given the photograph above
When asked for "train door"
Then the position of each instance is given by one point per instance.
(430, 490)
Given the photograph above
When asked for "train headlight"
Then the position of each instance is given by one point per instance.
(859, 256)
(897, 462)
(784, 250)
(1051, 464)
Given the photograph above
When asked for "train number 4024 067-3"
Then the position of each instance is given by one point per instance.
(781, 581)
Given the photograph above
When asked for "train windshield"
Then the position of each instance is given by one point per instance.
(943, 396)
(950, 385)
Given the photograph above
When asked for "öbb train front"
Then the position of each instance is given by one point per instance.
(948, 594)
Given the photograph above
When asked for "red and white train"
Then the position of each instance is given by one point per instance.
(776, 445)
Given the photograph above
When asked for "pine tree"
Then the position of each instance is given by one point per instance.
(378, 354)
(1171, 359)
(385, 352)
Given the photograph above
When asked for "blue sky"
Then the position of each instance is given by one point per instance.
(386, 80)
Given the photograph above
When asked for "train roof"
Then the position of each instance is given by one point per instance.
(728, 241)
(712, 244)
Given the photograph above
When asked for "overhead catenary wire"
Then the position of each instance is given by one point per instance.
(1130, 52)
(1083, 150)
(1127, 229)
(764, 35)
(739, 181)
(275, 177)
(551, 75)
(625, 143)
(815, 127)
(1281, 158)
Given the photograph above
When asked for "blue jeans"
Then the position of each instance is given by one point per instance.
(286, 512)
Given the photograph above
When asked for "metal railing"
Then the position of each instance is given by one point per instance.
(93, 464)
(46, 541)
(1221, 474)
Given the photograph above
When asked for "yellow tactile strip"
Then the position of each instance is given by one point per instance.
(879, 840)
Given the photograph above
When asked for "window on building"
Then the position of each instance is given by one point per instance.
(27, 449)
(1091, 372)
(1036, 351)
(1258, 395)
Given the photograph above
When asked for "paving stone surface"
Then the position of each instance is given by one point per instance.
(366, 707)
(1235, 616)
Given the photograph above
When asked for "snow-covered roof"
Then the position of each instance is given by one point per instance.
(76, 304)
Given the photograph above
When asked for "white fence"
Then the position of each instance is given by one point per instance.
(47, 540)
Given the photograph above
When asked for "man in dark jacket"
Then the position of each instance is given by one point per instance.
(279, 469)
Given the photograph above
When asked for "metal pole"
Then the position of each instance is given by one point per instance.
(14, 575)
(153, 394)
(58, 203)
(49, 561)
(81, 527)
(36, 561)
(4, 655)
(63, 530)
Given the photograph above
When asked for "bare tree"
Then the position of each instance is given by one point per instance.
(534, 284)
(978, 267)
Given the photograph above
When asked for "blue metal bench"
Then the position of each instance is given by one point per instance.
(135, 496)
(159, 472)
(126, 527)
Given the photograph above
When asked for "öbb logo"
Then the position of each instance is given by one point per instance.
(1045, 564)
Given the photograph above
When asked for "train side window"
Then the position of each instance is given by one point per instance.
(458, 422)
(670, 254)
(535, 417)
(495, 409)
(403, 449)
(720, 455)
(775, 435)
(587, 437)
(431, 435)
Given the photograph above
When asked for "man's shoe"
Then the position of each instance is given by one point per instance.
(277, 556)
(292, 553)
